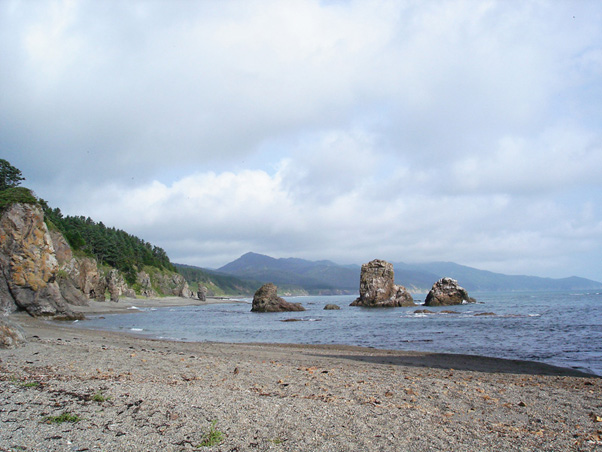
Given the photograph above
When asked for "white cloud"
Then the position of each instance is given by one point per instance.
(453, 130)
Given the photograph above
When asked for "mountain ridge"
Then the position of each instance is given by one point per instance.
(324, 276)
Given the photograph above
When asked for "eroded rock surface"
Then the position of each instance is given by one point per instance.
(28, 265)
(447, 292)
(11, 334)
(378, 289)
(266, 299)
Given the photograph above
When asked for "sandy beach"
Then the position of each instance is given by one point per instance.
(123, 393)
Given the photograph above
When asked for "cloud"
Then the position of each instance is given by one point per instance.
(459, 130)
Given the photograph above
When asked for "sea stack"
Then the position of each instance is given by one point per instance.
(378, 289)
(267, 300)
(447, 292)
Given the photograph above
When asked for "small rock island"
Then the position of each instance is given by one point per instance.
(266, 299)
(378, 289)
(447, 292)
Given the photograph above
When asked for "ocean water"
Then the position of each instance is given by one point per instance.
(563, 329)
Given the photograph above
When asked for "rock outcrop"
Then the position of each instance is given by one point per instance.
(332, 307)
(202, 293)
(447, 292)
(28, 265)
(266, 299)
(41, 275)
(167, 283)
(11, 334)
(84, 275)
(378, 289)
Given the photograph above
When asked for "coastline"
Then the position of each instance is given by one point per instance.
(161, 395)
(129, 305)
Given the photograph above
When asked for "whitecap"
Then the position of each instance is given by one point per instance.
(136, 329)
(134, 307)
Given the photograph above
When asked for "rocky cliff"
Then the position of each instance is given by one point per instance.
(28, 265)
(378, 289)
(40, 274)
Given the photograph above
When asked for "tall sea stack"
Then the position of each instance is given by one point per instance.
(378, 289)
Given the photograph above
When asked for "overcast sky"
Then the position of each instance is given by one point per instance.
(411, 131)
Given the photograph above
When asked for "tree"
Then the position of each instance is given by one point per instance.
(9, 175)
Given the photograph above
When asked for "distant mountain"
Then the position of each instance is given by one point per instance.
(218, 284)
(474, 279)
(327, 277)
(320, 277)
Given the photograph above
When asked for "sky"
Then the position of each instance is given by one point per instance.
(410, 131)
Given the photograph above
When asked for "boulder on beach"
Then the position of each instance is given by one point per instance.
(332, 307)
(378, 289)
(447, 292)
(11, 334)
(266, 299)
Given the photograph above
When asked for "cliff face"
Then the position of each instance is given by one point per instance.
(28, 265)
(154, 281)
(40, 274)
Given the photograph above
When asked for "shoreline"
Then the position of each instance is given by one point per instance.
(129, 305)
(140, 305)
(164, 395)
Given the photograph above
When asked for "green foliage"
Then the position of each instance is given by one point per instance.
(100, 397)
(13, 195)
(65, 417)
(110, 246)
(25, 384)
(9, 175)
(212, 438)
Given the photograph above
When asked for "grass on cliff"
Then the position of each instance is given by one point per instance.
(16, 194)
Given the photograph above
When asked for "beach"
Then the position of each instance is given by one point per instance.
(121, 392)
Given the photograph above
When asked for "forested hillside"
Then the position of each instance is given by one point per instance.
(108, 245)
(216, 283)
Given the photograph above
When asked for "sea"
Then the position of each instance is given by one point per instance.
(562, 329)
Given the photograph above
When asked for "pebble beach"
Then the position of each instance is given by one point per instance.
(81, 390)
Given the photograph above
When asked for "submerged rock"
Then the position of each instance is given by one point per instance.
(266, 299)
(424, 311)
(377, 287)
(447, 292)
